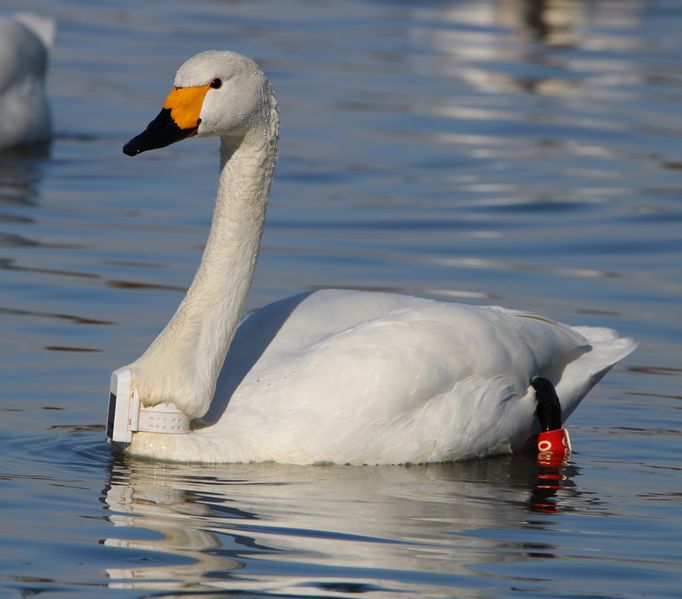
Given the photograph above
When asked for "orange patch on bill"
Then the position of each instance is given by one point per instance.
(185, 103)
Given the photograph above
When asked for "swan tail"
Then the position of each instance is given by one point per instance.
(43, 27)
(603, 351)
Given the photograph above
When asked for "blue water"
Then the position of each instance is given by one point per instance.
(526, 154)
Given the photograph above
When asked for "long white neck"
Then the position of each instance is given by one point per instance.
(182, 364)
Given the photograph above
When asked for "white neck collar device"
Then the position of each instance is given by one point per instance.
(125, 414)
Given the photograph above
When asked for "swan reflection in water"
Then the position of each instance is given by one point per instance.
(256, 527)
(21, 175)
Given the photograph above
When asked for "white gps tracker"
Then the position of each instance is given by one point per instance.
(125, 415)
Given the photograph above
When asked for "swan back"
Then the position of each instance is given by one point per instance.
(43, 27)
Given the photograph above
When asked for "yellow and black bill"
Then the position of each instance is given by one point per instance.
(178, 119)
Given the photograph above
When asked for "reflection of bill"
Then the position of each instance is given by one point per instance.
(291, 529)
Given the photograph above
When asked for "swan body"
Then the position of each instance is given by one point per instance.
(331, 376)
(25, 42)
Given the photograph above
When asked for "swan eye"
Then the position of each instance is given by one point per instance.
(216, 83)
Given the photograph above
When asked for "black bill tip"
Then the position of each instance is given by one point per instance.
(161, 132)
(132, 148)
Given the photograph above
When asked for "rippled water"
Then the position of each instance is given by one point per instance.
(520, 153)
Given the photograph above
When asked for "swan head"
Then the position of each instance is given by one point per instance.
(215, 93)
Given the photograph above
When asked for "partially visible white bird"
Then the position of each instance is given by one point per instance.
(330, 376)
(25, 43)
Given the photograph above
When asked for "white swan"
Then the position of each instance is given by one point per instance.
(330, 376)
(25, 41)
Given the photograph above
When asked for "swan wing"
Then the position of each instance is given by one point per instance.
(359, 377)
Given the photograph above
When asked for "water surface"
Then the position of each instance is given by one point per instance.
(525, 154)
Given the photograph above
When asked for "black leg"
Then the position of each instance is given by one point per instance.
(549, 408)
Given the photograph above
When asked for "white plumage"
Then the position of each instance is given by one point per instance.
(25, 41)
(334, 376)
